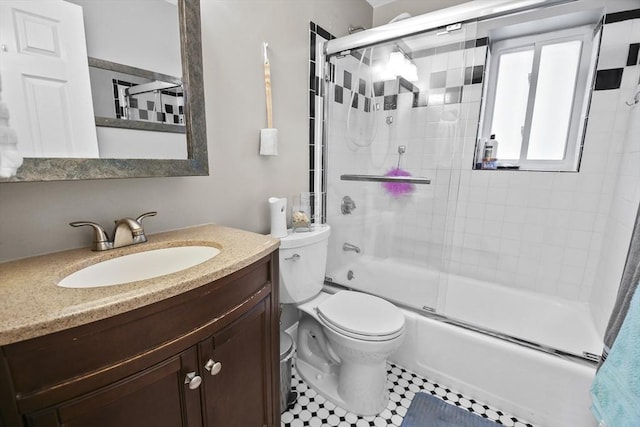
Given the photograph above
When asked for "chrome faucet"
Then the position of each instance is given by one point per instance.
(350, 247)
(128, 231)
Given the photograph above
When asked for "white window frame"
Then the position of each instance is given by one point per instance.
(585, 74)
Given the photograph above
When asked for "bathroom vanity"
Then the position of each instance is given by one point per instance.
(198, 347)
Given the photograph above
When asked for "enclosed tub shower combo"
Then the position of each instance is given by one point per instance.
(506, 265)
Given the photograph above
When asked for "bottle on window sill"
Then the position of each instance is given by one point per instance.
(490, 154)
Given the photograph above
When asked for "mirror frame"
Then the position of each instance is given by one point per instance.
(62, 169)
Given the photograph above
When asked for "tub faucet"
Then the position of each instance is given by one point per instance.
(349, 247)
(128, 231)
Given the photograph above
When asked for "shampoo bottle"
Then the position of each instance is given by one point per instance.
(489, 158)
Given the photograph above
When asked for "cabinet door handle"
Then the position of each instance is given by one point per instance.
(213, 367)
(193, 380)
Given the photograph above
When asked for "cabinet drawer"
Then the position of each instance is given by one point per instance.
(90, 356)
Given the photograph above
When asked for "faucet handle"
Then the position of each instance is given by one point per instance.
(146, 215)
(138, 235)
(100, 240)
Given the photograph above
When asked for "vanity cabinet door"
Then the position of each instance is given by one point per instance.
(155, 397)
(236, 384)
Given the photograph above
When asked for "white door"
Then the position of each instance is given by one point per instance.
(45, 78)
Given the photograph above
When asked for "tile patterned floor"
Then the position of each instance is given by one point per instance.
(313, 410)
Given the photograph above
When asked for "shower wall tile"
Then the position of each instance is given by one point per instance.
(547, 219)
(347, 79)
(439, 69)
(630, 77)
(472, 93)
(455, 77)
(608, 78)
(554, 233)
(614, 51)
(614, 220)
(439, 62)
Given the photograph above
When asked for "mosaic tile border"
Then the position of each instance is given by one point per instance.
(146, 110)
(315, 92)
(611, 78)
(445, 87)
(611, 18)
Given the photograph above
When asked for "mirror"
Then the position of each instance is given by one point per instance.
(183, 86)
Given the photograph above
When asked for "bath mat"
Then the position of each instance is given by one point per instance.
(429, 411)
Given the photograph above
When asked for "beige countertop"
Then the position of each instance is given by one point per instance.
(32, 305)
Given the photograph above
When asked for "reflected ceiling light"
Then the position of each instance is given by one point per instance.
(400, 65)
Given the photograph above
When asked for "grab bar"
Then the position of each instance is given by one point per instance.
(382, 178)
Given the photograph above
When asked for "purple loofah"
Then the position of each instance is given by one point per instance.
(398, 188)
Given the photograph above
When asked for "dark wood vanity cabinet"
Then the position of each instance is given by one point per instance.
(153, 397)
(239, 394)
(208, 357)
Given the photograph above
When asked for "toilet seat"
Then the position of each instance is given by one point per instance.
(361, 316)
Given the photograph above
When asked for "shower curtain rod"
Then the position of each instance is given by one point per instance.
(439, 18)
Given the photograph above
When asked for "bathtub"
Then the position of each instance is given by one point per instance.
(521, 352)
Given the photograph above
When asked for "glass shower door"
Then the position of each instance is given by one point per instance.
(396, 122)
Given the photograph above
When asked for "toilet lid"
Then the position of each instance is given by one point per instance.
(361, 314)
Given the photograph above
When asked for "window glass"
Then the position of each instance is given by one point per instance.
(536, 94)
(553, 100)
(510, 107)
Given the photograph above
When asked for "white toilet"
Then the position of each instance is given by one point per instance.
(344, 339)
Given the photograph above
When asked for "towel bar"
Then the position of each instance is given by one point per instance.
(382, 178)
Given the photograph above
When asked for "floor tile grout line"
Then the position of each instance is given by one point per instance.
(399, 384)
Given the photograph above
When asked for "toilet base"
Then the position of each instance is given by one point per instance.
(327, 383)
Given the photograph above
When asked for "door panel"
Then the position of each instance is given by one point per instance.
(45, 78)
(238, 395)
(155, 397)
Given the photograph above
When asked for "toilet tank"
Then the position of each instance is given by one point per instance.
(303, 259)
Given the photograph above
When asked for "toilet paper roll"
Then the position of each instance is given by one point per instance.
(269, 142)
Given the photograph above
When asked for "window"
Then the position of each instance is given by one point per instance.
(537, 94)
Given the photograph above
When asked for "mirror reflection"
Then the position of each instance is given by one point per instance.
(137, 95)
(94, 79)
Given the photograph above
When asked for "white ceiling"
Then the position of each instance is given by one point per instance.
(376, 3)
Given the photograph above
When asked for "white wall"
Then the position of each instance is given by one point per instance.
(34, 217)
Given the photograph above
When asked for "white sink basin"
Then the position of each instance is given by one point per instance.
(139, 266)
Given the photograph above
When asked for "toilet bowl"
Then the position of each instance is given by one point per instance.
(345, 363)
(344, 339)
